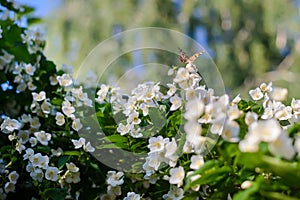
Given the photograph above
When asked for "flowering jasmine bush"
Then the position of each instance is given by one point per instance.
(193, 143)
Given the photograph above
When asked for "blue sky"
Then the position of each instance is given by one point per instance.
(43, 7)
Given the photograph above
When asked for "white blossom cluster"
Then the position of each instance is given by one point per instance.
(268, 128)
(27, 135)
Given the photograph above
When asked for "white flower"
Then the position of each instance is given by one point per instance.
(231, 131)
(249, 144)
(136, 133)
(282, 146)
(194, 178)
(9, 187)
(236, 99)
(133, 118)
(174, 194)
(46, 107)
(114, 178)
(23, 136)
(172, 89)
(36, 159)
(29, 69)
(145, 108)
(194, 109)
(157, 144)
(9, 125)
(151, 178)
(88, 147)
(65, 80)
(67, 108)
(149, 169)
(76, 124)
(256, 94)
(28, 154)
(193, 134)
(124, 129)
(284, 113)
(233, 112)
(187, 147)
(268, 113)
(44, 162)
(6, 58)
(43, 137)
(37, 174)
(279, 94)
(57, 152)
(52, 173)
(102, 93)
(197, 161)
(79, 143)
(266, 88)
(20, 147)
(177, 176)
(191, 67)
(114, 190)
(218, 124)
(171, 148)
(265, 130)
(132, 196)
(35, 123)
(31, 86)
(71, 177)
(295, 104)
(250, 118)
(30, 167)
(72, 167)
(33, 141)
(176, 102)
(13, 177)
(182, 75)
(60, 119)
(154, 160)
(39, 96)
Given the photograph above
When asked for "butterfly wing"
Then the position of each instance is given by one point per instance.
(183, 57)
(195, 56)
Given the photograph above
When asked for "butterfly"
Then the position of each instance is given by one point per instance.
(184, 58)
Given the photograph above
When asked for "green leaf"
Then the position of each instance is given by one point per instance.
(206, 170)
(113, 146)
(56, 101)
(243, 105)
(288, 171)
(33, 20)
(212, 176)
(157, 117)
(277, 196)
(72, 153)
(138, 145)
(54, 193)
(116, 139)
(62, 161)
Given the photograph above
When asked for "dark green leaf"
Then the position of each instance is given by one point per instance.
(62, 161)
(54, 193)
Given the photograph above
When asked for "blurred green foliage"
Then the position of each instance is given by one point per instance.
(250, 41)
